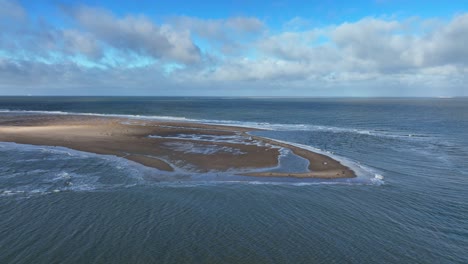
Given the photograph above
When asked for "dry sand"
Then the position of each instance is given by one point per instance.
(130, 139)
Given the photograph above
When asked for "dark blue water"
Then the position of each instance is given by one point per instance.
(113, 214)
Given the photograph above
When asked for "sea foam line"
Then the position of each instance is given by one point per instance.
(360, 170)
(163, 178)
(138, 117)
(247, 124)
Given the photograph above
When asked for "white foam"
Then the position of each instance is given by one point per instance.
(226, 177)
(205, 138)
(232, 139)
(362, 172)
(378, 179)
(88, 182)
(139, 117)
(205, 149)
(247, 124)
(65, 178)
(295, 183)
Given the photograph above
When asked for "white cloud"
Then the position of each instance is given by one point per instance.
(81, 43)
(378, 53)
(290, 45)
(137, 34)
(368, 49)
(219, 29)
(230, 36)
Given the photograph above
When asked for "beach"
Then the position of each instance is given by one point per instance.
(168, 145)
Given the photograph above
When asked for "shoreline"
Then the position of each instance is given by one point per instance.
(166, 145)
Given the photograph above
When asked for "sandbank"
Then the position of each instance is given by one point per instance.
(166, 145)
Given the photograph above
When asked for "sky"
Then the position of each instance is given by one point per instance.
(234, 48)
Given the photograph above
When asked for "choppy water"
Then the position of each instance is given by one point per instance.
(60, 205)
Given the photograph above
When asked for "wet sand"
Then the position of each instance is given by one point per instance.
(165, 149)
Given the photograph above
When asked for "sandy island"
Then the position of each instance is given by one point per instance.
(166, 145)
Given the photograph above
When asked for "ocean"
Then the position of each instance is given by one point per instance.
(409, 205)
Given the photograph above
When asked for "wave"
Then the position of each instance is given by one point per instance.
(247, 124)
(142, 117)
(67, 170)
(29, 170)
(266, 182)
(310, 127)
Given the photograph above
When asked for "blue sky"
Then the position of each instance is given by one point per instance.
(245, 48)
(276, 12)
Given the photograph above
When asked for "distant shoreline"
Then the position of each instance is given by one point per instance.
(166, 145)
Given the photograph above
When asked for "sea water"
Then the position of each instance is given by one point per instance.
(409, 206)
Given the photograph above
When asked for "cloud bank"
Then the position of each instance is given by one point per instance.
(99, 52)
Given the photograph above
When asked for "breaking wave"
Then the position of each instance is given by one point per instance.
(247, 124)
